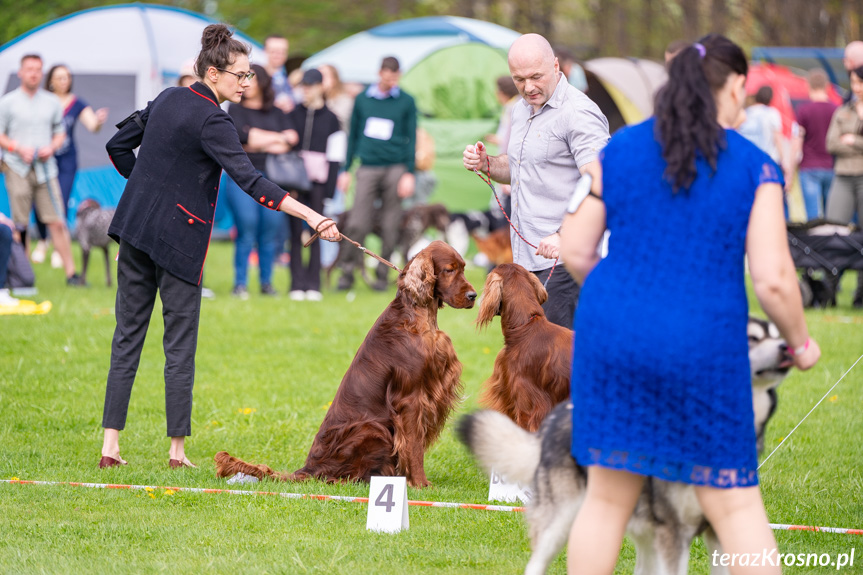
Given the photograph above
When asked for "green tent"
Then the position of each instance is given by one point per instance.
(457, 82)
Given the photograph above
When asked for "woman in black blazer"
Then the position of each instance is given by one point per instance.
(163, 224)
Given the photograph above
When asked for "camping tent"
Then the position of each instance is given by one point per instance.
(806, 58)
(790, 89)
(120, 57)
(624, 88)
(448, 63)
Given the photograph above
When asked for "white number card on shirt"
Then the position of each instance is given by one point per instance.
(388, 505)
(379, 128)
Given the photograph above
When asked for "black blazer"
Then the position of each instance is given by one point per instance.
(169, 202)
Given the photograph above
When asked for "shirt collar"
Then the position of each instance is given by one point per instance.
(374, 91)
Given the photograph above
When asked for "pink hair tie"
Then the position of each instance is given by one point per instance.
(702, 51)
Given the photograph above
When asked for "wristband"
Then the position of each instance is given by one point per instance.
(799, 349)
(11, 147)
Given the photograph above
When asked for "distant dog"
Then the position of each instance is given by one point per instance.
(495, 245)
(399, 390)
(531, 372)
(91, 230)
(667, 517)
(415, 222)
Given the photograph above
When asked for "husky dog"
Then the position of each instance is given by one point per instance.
(667, 516)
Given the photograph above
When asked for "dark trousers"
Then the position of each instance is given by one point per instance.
(374, 184)
(5, 252)
(562, 295)
(305, 277)
(138, 280)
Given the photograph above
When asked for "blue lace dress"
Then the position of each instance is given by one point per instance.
(660, 375)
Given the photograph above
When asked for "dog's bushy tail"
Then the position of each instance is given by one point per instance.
(497, 442)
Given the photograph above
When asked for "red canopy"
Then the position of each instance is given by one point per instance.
(789, 90)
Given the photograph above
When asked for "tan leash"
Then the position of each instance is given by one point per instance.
(330, 223)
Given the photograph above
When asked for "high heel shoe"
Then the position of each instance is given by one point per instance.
(107, 461)
(180, 463)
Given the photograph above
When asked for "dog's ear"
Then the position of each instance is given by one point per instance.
(492, 294)
(419, 279)
(539, 289)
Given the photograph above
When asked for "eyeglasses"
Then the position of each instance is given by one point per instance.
(240, 77)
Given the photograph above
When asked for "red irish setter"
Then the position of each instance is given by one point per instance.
(398, 391)
(531, 372)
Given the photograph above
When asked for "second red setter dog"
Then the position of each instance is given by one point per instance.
(400, 388)
(531, 372)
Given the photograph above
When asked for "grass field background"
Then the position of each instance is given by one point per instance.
(266, 371)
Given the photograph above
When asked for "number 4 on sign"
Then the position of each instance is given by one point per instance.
(388, 505)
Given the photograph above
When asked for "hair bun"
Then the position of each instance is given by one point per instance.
(214, 35)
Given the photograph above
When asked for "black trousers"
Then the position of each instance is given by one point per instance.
(563, 293)
(305, 277)
(138, 280)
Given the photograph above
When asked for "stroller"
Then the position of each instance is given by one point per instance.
(823, 250)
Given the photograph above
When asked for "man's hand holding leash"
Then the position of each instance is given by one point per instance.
(476, 159)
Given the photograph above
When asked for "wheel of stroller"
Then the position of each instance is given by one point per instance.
(805, 292)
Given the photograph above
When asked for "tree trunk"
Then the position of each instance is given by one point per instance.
(691, 20)
(624, 47)
(648, 33)
(719, 17)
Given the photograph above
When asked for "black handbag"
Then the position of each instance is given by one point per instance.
(288, 171)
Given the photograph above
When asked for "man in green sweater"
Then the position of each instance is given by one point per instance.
(383, 136)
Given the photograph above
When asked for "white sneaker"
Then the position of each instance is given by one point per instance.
(6, 299)
(314, 295)
(207, 293)
(39, 252)
(56, 261)
(297, 295)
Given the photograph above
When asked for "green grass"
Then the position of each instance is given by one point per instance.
(266, 370)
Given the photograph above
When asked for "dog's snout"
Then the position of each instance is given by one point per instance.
(471, 295)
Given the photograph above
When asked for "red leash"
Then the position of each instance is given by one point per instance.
(487, 180)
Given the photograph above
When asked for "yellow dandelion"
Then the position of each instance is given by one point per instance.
(486, 350)
(249, 410)
(215, 423)
(148, 489)
(169, 492)
(14, 479)
(834, 398)
(327, 406)
(151, 495)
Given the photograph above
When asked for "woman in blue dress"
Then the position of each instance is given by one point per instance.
(59, 81)
(661, 383)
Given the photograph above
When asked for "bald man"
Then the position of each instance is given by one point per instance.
(853, 55)
(557, 134)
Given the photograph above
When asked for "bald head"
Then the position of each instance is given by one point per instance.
(534, 69)
(853, 55)
(531, 49)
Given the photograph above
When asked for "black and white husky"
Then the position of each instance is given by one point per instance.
(667, 517)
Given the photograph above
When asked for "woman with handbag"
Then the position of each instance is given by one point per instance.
(315, 123)
(163, 224)
(264, 130)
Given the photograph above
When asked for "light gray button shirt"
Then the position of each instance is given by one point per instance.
(545, 151)
(31, 121)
